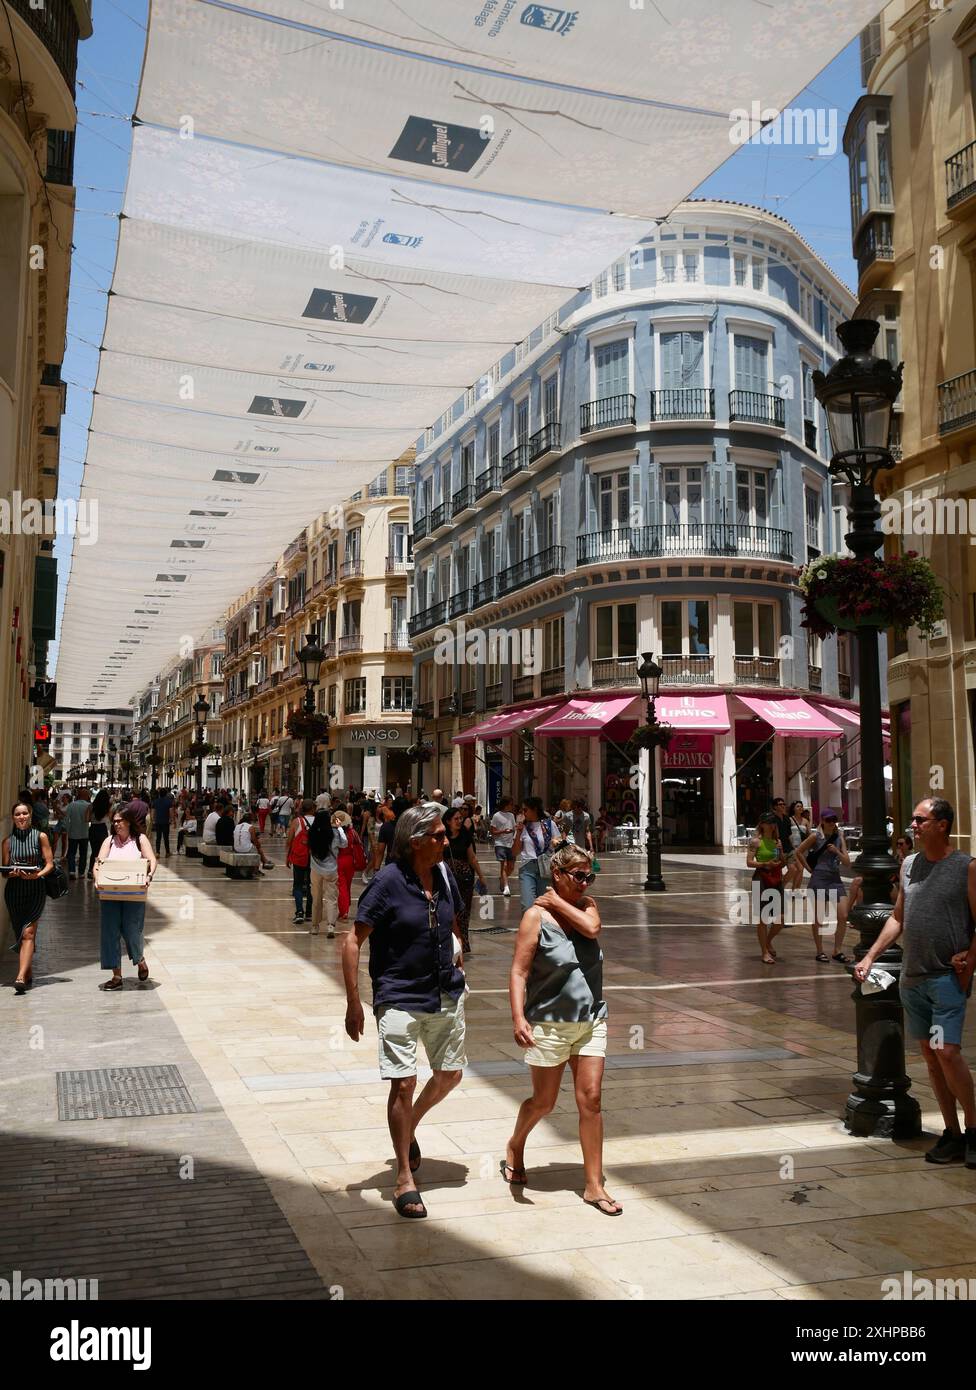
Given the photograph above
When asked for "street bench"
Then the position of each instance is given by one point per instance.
(211, 854)
(240, 865)
(191, 844)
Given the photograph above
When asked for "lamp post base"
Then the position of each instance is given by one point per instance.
(891, 1117)
(655, 885)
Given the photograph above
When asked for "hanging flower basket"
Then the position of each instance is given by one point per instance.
(651, 736)
(300, 725)
(845, 593)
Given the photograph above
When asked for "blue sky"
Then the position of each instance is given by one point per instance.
(807, 188)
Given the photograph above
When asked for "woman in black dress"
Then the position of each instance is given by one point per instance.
(29, 851)
(459, 854)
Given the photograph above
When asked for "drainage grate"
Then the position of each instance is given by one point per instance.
(492, 931)
(116, 1093)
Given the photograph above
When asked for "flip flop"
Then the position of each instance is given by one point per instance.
(844, 960)
(610, 1201)
(513, 1181)
(410, 1199)
(769, 958)
(823, 958)
(415, 1155)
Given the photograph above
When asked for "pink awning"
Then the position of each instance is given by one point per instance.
(704, 714)
(792, 718)
(505, 723)
(846, 716)
(586, 717)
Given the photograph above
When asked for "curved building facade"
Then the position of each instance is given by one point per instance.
(643, 474)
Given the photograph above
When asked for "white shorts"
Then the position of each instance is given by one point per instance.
(442, 1035)
(555, 1043)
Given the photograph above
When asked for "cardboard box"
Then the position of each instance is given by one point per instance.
(123, 880)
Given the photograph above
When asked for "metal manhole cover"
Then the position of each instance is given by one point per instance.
(493, 931)
(116, 1093)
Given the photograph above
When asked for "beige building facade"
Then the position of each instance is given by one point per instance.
(911, 145)
(169, 700)
(344, 579)
(38, 56)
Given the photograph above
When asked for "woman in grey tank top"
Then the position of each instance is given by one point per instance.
(559, 1015)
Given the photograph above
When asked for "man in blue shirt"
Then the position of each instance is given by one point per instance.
(408, 913)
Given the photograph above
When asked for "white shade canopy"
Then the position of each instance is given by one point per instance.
(335, 221)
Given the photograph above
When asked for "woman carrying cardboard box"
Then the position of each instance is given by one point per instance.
(123, 894)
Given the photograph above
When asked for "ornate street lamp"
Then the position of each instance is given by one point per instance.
(417, 733)
(310, 658)
(125, 761)
(254, 749)
(200, 711)
(101, 767)
(650, 678)
(155, 729)
(858, 394)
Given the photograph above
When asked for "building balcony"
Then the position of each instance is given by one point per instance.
(515, 461)
(462, 502)
(814, 678)
(488, 483)
(398, 564)
(541, 566)
(447, 707)
(545, 442)
(469, 701)
(961, 182)
(352, 568)
(56, 25)
(757, 408)
(608, 412)
(844, 686)
(330, 580)
(874, 249)
(397, 641)
(757, 670)
(439, 518)
(693, 669)
(493, 695)
(553, 680)
(329, 650)
(523, 687)
(352, 642)
(683, 403)
(483, 592)
(426, 709)
(694, 538)
(810, 435)
(613, 670)
(396, 705)
(421, 528)
(459, 603)
(297, 547)
(957, 403)
(428, 618)
(60, 167)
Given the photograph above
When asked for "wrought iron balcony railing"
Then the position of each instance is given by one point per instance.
(961, 175)
(483, 592)
(553, 680)
(957, 402)
(463, 499)
(757, 670)
(488, 481)
(56, 25)
(757, 408)
(875, 243)
(438, 517)
(608, 411)
(613, 670)
(694, 538)
(515, 461)
(397, 641)
(541, 566)
(352, 642)
(523, 687)
(421, 528)
(428, 618)
(683, 403)
(352, 568)
(696, 668)
(459, 603)
(544, 441)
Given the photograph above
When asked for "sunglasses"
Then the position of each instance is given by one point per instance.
(920, 820)
(580, 875)
(437, 834)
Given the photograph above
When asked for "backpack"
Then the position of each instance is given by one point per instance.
(298, 854)
(814, 855)
(353, 842)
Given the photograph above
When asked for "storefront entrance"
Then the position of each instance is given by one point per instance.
(754, 771)
(619, 797)
(688, 791)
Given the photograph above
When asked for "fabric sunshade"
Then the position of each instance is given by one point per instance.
(336, 220)
(846, 716)
(704, 714)
(792, 718)
(586, 717)
(501, 725)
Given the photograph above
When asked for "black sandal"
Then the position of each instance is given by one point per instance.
(514, 1180)
(20, 986)
(415, 1155)
(844, 960)
(410, 1199)
(114, 983)
(823, 958)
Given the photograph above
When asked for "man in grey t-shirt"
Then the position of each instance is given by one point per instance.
(936, 915)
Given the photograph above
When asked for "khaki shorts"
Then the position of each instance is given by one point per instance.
(555, 1043)
(441, 1034)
